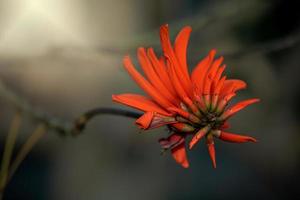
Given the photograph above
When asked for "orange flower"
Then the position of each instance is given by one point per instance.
(188, 104)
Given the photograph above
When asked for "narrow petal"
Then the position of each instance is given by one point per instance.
(179, 154)
(153, 77)
(144, 84)
(185, 114)
(183, 127)
(217, 79)
(161, 70)
(200, 102)
(224, 101)
(219, 86)
(229, 137)
(177, 84)
(215, 66)
(216, 93)
(200, 70)
(200, 134)
(211, 150)
(170, 54)
(210, 76)
(181, 92)
(180, 47)
(179, 111)
(192, 106)
(237, 107)
(139, 102)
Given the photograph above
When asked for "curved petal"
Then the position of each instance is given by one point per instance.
(211, 150)
(183, 127)
(217, 78)
(237, 107)
(169, 54)
(139, 102)
(200, 70)
(144, 84)
(161, 70)
(176, 83)
(224, 101)
(229, 137)
(180, 47)
(197, 137)
(153, 77)
(179, 154)
(232, 85)
(208, 80)
(145, 120)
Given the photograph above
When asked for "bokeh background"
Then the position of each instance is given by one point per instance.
(64, 57)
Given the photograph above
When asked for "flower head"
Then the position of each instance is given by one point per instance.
(189, 104)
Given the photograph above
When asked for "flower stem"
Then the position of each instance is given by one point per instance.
(8, 150)
(37, 134)
(80, 123)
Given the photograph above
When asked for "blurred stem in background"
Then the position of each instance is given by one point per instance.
(8, 150)
(8, 168)
(37, 134)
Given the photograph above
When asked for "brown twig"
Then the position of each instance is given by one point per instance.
(80, 123)
(53, 123)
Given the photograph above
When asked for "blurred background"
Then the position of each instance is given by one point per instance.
(65, 57)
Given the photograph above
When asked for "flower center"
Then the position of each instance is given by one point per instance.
(210, 119)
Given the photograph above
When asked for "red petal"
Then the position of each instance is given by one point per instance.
(145, 120)
(237, 107)
(224, 101)
(200, 103)
(185, 114)
(144, 84)
(210, 76)
(169, 53)
(161, 70)
(232, 85)
(219, 85)
(229, 137)
(216, 93)
(180, 47)
(152, 76)
(216, 80)
(200, 70)
(200, 134)
(177, 84)
(211, 151)
(179, 111)
(179, 154)
(183, 127)
(139, 102)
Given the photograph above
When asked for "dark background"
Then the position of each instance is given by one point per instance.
(64, 57)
